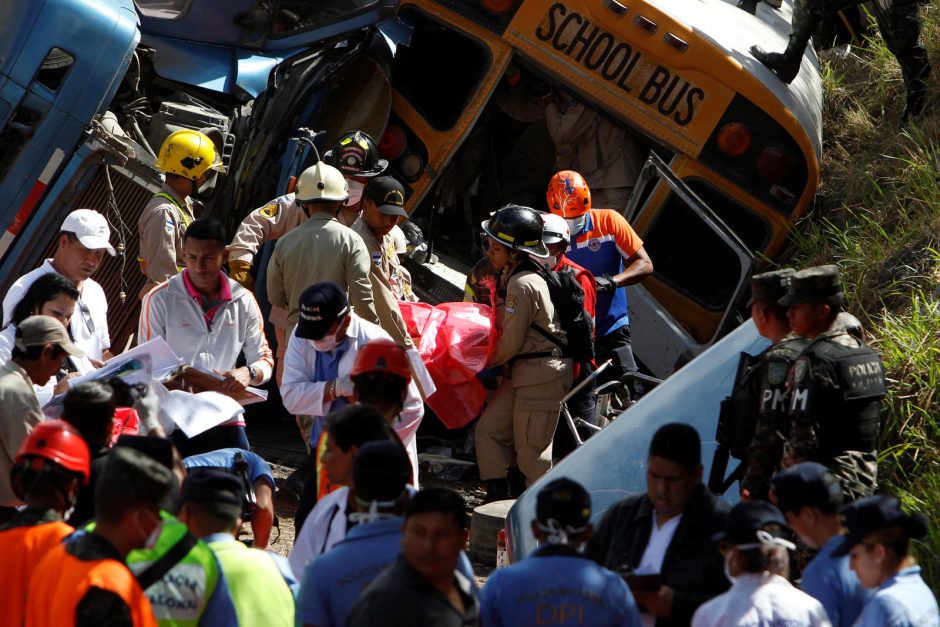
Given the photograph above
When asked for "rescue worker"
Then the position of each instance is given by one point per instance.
(836, 386)
(260, 582)
(357, 157)
(382, 207)
(85, 582)
(517, 426)
(878, 540)
(605, 244)
(557, 583)
(425, 585)
(759, 399)
(900, 25)
(209, 320)
(320, 250)
(49, 468)
(667, 531)
(757, 563)
(83, 241)
(186, 157)
(332, 581)
(40, 347)
(557, 237)
(810, 498)
(260, 478)
(347, 431)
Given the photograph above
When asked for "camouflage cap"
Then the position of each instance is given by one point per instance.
(817, 283)
(770, 286)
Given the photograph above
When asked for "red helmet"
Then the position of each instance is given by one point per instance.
(60, 443)
(382, 356)
(568, 194)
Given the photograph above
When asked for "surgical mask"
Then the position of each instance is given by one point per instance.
(576, 224)
(548, 262)
(325, 344)
(355, 192)
(727, 567)
(151, 540)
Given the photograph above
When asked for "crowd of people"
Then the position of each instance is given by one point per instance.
(141, 529)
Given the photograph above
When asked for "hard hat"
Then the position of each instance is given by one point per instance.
(189, 154)
(322, 182)
(381, 356)
(568, 194)
(556, 229)
(519, 228)
(355, 154)
(60, 443)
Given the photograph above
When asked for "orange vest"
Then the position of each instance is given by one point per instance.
(60, 581)
(21, 548)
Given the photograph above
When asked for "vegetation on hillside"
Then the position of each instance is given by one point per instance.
(878, 217)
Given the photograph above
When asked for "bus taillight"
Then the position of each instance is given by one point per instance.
(734, 139)
(774, 164)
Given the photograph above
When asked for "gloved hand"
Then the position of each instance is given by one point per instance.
(344, 387)
(605, 283)
(238, 271)
(148, 411)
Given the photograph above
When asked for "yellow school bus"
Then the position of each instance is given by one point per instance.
(733, 153)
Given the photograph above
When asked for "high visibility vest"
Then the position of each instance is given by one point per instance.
(61, 580)
(258, 589)
(21, 549)
(180, 599)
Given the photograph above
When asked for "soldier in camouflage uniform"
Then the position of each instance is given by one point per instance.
(835, 385)
(900, 25)
(767, 406)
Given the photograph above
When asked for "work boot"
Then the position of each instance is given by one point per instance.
(496, 490)
(748, 5)
(915, 104)
(786, 64)
(516, 482)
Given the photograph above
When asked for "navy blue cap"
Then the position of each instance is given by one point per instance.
(875, 513)
(749, 517)
(381, 470)
(565, 501)
(807, 484)
(212, 485)
(321, 305)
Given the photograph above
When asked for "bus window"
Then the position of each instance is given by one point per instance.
(753, 230)
(54, 68)
(439, 71)
(16, 134)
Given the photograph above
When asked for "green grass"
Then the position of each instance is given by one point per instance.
(878, 217)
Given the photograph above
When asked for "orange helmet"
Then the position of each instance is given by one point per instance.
(60, 443)
(568, 194)
(382, 356)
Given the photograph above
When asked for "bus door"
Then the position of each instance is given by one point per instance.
(701, 270)
(441, 81)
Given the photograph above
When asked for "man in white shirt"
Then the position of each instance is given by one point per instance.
(757, 563)
(667, 531)
(83, 240)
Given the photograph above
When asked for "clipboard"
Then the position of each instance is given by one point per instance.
(199, 380)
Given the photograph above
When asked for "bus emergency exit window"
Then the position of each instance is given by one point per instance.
(15, 135)
(439, 71)
(55, 67)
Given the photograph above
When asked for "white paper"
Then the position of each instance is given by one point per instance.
(420, 372)
(197, 413)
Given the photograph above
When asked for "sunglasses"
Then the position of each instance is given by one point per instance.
(86, 317)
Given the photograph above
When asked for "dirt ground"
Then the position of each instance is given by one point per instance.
(282, 448)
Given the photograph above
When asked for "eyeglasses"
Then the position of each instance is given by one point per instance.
(86, 317)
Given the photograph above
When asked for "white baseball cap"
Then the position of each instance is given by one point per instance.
(91, 228)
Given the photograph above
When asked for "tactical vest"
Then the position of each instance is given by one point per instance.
(257, 587)
(180, 598)
(840, 387)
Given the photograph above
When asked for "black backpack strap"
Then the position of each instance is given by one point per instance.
(171, 558)
(548, 336)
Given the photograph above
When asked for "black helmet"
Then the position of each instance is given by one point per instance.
(519, 228)
(355, 154)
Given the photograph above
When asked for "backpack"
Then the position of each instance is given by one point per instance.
(567, 296)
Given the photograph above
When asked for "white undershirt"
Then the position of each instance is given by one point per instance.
(652, 561)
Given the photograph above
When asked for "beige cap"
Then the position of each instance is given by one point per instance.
(42, 330)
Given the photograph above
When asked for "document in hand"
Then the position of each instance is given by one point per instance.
(203, 380)
(197, 413)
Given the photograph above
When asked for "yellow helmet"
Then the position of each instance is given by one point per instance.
(189, 154)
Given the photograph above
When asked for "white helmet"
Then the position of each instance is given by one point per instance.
(322, 182)
(556, 229)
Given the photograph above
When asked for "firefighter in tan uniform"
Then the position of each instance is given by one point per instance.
(187, 157)
(515, 432)
(382, 207)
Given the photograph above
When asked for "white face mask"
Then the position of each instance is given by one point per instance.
(355, 192)
(576, 224)
(325, 344)
(548, 262)
(728, 567)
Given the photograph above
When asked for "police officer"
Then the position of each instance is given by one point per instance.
(186, 157)
(836, 386)
(900, 25)
(516, 428)
(878, 539)
(762, 413)
(557, 583)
